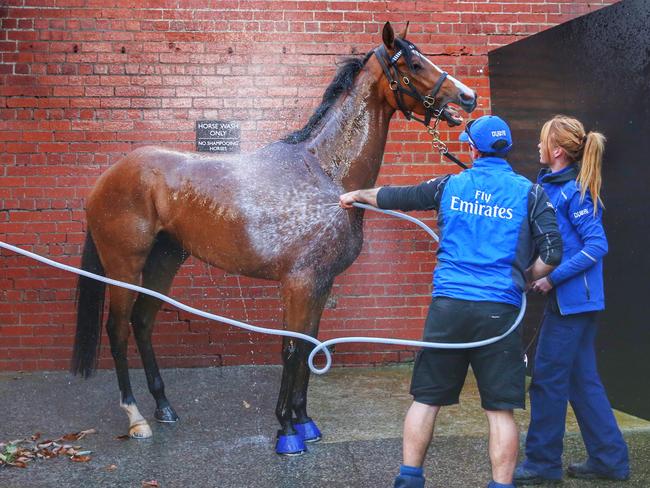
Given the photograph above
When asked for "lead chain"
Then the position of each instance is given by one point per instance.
(436, 143)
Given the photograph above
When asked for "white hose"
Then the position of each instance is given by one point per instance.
(320, 346)
(401, 216)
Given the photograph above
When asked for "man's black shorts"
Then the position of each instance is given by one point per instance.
(439, 374)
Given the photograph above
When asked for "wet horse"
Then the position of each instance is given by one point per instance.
(271, 214)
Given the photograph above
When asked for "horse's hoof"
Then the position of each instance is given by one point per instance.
(308, 431)
(290, 445)
(165, 415)
(141, 430)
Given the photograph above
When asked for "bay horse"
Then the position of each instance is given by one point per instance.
(270, 214)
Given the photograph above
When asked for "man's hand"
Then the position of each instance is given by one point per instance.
(363, 196)
(347, 199)
(543, 286)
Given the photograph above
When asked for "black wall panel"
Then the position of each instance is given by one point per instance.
(596, 68)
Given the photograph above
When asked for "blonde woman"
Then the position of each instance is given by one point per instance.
(565, 362)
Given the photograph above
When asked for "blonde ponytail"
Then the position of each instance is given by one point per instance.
(569, 134)
(590, 176)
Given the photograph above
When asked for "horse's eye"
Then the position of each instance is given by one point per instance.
(417, 67)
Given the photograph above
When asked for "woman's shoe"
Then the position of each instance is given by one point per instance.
(586, 471)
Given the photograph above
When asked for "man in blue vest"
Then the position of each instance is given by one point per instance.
(498, 232)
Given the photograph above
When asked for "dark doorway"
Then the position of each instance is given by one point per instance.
(596, 68)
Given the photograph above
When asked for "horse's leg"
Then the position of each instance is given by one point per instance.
(299, 303)
(123, 260)
(118, 332)
(162, 265)
(302, 422)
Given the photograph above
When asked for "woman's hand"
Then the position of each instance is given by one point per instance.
(542, 285)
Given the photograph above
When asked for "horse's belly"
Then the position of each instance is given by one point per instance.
(259, 240)
(214, 234)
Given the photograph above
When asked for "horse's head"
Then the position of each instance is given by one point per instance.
(415, 85)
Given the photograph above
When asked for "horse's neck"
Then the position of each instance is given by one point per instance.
(350, 144)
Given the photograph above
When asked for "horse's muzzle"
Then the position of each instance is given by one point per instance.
(468, 102)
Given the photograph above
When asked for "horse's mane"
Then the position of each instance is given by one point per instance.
(343, 81)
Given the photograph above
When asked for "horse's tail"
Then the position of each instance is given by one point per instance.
(90, 312)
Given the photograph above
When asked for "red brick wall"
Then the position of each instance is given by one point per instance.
(82, 82)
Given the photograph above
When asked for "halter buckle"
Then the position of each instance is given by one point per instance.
(393, 85)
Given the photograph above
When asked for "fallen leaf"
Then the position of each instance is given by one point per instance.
(111, 467)
(80, 459)
(150, 483)
(123, 437)
(75, 436)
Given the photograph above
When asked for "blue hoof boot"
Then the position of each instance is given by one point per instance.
(308, 431)
(290, 445)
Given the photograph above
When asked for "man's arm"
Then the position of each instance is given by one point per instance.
(425, 196)
(546, 237)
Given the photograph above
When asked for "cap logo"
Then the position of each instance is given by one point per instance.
(497, 133)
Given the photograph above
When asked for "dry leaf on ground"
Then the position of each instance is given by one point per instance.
(18, 453)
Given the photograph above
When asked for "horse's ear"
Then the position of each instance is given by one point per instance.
(388, 35)
(406, 30)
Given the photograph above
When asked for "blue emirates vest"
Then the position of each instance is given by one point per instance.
(483, 213)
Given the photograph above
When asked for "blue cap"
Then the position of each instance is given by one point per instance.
(488, 134)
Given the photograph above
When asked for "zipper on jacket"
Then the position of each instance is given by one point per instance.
(584, 275)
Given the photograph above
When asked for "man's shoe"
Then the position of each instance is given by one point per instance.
(494, 484)
(405, 481)
(587, 472)
(523, 477)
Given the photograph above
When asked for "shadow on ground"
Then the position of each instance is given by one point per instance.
(226, 435)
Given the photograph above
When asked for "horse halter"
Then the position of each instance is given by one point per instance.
(428, 101)
(395, 79)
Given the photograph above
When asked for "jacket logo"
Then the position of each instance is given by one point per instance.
(580, 213)
(483, 210)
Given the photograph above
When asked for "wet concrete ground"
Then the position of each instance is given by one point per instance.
(226, 435)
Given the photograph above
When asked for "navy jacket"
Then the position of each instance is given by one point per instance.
(492, 221)
(578, 280)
